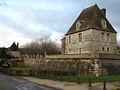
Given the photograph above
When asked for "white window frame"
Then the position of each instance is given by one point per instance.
(78, 25)
(104, 24)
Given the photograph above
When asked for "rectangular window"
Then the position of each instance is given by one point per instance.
(108, 49)
(80, 36)
(80, 50)
(69, 50)
(108, 37)
(103, 49)
(69, 39)
(102, 36)
(104, 25)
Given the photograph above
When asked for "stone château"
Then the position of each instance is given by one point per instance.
(90, 45)
(90, 33)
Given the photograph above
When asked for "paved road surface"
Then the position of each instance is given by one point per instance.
(14, 83)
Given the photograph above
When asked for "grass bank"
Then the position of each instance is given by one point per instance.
(82, 79)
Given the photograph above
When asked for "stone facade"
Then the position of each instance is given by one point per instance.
(15, 54)
(92, 42)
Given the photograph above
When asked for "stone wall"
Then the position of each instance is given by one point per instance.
(14, 53)
(112, 67)
(91, 42)
(83, 64)
(86, 64)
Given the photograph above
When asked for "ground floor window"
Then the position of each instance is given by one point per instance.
(80, 50)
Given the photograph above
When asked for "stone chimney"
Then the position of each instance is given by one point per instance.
(103, 11)
(17, 44)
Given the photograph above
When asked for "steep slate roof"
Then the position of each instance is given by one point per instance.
(91, 19)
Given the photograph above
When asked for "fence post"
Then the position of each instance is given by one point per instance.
(90, 84)
(78, 80)
(30, 72)
(104, 86)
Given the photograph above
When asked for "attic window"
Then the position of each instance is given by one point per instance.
(104, 25)
(78, 24)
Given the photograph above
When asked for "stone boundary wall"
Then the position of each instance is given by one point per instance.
(70, 56)
(99, 64)
(112, 66)
(84, 64)
(86, 56)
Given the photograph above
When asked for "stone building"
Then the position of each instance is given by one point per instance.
(11, 52)
(90, 33)
(89, 47)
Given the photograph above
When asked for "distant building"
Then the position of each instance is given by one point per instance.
(11, 52)
(90, 33)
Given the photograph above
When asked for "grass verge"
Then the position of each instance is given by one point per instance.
(82, 79)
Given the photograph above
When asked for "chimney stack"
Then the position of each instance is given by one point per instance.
(103, 11)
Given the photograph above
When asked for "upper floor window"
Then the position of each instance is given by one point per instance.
(69, 39)
(80, 36)
(103, 49)
(69, 50)
(104, 24)
(78, 24)
(108, 49)
(107, 37)
(102, 36)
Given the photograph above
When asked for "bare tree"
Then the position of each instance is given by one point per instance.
(41, 46)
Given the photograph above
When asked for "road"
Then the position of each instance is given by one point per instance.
(15, 83)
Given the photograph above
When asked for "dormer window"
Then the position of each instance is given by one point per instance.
(104, 25)
(78, 24)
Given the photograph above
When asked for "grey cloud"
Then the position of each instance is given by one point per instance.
(56, 20)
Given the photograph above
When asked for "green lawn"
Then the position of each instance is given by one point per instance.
(5, 65)
(82, 79)
(20, 71)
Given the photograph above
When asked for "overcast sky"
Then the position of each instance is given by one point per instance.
(25, 20)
